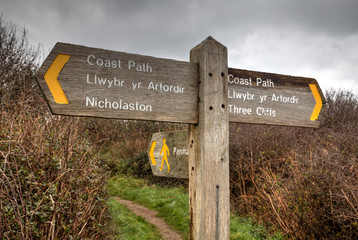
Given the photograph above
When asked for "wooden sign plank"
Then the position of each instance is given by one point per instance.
(274, 99)
(82, 81)
(168, 154)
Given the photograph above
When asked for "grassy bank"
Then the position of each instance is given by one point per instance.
(171, 204)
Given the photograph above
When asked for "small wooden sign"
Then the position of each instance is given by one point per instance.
(168, 154)
(274, 99)
(83, 81)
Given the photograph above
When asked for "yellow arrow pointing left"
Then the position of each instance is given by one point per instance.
(151, 152)
(51, 78)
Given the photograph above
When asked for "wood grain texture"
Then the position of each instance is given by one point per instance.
(133, 86)
(209, 195)
(177, 142)
(267, 103)
(87, 65)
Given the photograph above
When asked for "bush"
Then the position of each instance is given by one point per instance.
(303, 180)
(51, 182)
(126, 142)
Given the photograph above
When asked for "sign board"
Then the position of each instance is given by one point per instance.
(275, 99)
(83, 81)
(168, 154)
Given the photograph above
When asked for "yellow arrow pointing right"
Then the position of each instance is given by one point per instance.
(151, 152)
(51, 78)
(318, 99)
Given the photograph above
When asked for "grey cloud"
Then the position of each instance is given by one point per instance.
(296, 36)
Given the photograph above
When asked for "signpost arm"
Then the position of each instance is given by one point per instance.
(209, 196)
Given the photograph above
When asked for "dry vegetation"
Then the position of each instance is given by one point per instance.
(302, 181)
(50, 181)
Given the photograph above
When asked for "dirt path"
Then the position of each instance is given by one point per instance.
(151, 216)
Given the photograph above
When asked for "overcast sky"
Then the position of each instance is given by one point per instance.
(309, 38)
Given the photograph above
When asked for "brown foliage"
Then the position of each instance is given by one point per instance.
(51, 184)
(304, 181)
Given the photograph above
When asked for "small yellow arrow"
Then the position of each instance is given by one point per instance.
(51, 78)
(151, 152)
(318, 99)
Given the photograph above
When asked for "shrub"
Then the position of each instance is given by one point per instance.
(51, 183)
(303, 180)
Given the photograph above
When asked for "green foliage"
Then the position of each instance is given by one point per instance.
(244, 229)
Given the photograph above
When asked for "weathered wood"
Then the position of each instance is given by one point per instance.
(177, 142)
(274, 99)
(209, 146)
(110, 84)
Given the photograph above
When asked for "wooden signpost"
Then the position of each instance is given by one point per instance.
(209, 191)
(204, 93)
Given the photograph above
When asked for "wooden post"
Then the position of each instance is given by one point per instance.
(209, 195)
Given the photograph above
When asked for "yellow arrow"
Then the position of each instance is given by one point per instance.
(318, 99)
(51, 78)
(151, 152)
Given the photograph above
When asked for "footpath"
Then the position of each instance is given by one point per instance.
(151, 217)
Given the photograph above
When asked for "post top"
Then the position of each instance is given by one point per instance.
(209, 40)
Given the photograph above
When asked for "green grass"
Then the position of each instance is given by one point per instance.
(244, 229)
(126, 225)
(172, 204)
